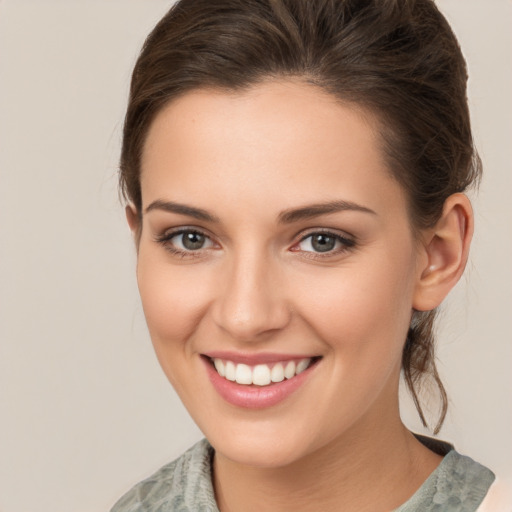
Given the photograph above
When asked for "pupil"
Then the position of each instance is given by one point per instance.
(323, 243)
(193, 241)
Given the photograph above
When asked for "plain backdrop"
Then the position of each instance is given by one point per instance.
(85, 411)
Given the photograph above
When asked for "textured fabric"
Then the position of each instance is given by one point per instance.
(459, 484)
(182, 486)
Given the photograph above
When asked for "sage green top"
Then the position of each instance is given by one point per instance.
(459, 484)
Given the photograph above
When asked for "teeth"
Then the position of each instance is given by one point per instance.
(230, 371)
(243, 374)
(219, 366)
(277, 373)
(289, 371)
(261, 374)
(302, 366)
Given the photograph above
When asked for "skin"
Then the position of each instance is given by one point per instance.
(258, 285)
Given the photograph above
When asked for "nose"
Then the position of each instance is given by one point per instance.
(251, 301)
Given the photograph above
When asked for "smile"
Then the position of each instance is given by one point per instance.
(258, 382)
(260, 374)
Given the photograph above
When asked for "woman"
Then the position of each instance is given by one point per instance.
(294, 171)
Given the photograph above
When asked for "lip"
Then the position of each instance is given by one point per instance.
(251, 396)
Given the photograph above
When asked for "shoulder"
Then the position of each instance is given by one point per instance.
(459, 484)
(464, 477)
(182, 485)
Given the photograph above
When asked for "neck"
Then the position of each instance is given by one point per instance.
(366, 469)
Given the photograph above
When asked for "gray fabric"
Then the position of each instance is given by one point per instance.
(182, 486)
(459, 484)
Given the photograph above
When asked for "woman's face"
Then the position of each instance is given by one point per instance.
(274, 239)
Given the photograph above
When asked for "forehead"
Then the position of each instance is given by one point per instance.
(269, 112)
(291, 141)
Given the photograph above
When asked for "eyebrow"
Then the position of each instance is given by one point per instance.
(285, 217)
(315, 210)
(182, 209)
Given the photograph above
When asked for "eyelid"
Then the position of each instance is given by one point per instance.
(167, 235)
(341, 235)
(348, 242)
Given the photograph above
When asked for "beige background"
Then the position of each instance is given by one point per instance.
(85, 411)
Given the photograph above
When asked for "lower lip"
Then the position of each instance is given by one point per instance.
(255, 397)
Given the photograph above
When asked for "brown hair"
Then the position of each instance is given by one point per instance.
(398, 59)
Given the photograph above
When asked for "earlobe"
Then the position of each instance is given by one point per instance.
(446, 250)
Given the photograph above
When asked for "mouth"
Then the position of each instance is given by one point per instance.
(262, 374)
(258, 382)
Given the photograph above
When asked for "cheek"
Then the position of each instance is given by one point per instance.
(173, 297)
(361, 309)
(362, 315)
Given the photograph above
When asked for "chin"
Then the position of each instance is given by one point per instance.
(265, 443)
(257, 453)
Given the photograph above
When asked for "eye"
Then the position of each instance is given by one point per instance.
(190, 241)
(324, 243)
(185, 241)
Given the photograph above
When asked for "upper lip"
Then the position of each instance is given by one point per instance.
(257, 358)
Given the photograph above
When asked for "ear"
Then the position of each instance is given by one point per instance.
(134, 222)
(445, 253)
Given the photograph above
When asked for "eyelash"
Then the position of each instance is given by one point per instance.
(346, 243)
(165, 240)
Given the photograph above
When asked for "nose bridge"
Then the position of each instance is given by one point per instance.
(251, 301)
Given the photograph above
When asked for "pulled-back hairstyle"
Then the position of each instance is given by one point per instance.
(398, 59)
